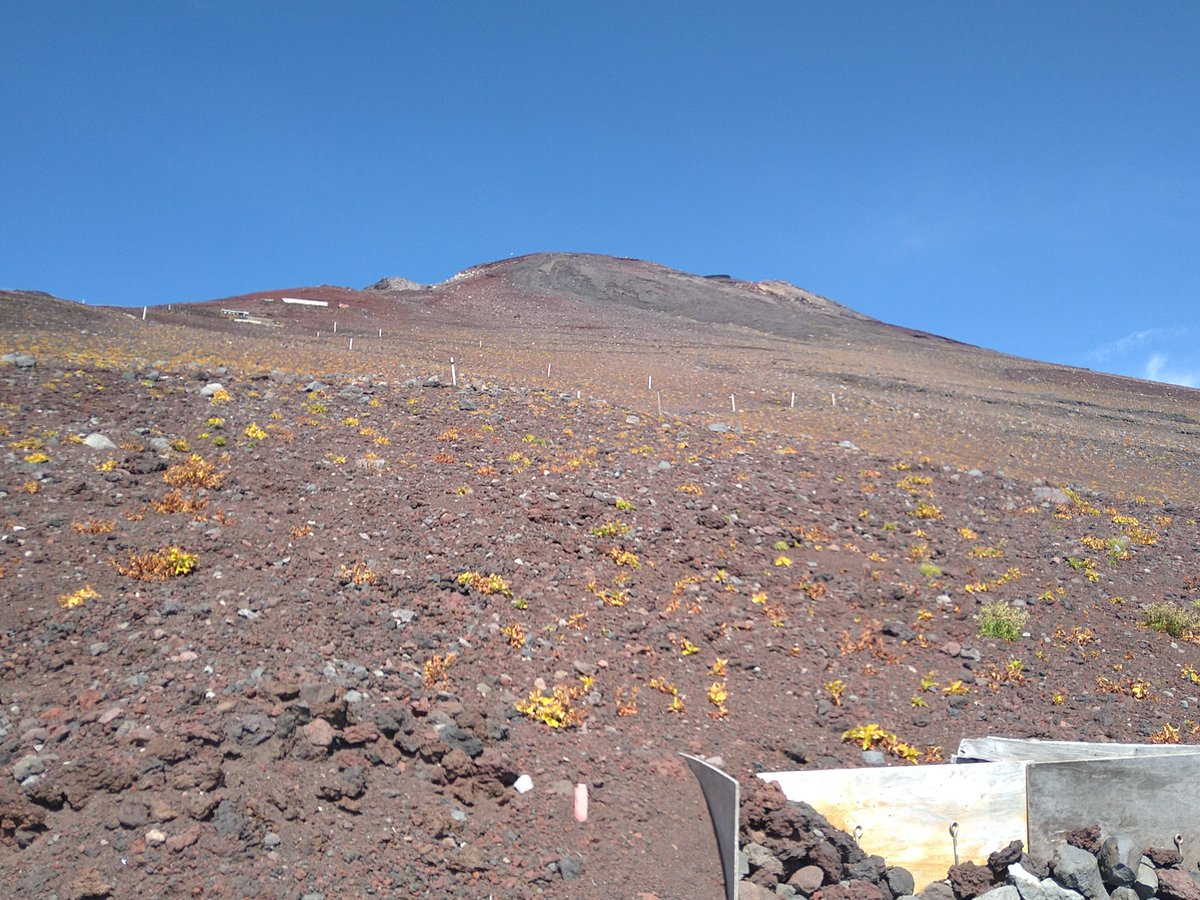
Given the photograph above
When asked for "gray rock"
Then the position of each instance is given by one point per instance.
(570, 868)
(1004, 892)
(848, 445)
(1146, 883)
(899, 881)
(871, 869)
(1078, 870)
(396, 283)
(874, 758)
(211, 388)
(227, 820)
(760, 857)
(1119, 858)
(1052, 890)
(1124, 893)
(250, 730)
(99, 441)
(748, 890)
(27, 766)
(718, 427)
(937, 890)
(20, 360)
(1051, 495)
(132, 813)
(1027, 885)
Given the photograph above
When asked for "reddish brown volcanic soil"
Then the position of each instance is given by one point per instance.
(276, 723)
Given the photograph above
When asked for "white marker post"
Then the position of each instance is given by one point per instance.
(660, 403)
(793, 399)
(335, 326)
(143, 314)
(453, 373)
(732, 403)
(649, 382)
(351, 343)
(381, 333)
(548, 369)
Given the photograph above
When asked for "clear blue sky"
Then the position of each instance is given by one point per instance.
(1020, 175)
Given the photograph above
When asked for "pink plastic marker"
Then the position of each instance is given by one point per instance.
(581, 802)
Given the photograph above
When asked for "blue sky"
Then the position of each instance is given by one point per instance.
(1020, 175)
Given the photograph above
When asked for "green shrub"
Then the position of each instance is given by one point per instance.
(999, 620)
(1171, 618)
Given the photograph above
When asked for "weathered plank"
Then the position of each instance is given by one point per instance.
(722, 793)
(1148, 798)
(906, 813)
(996, 749)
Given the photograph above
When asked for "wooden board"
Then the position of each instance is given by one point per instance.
(1148, 798)
(906, 813)
(994, 749)
(722, 794)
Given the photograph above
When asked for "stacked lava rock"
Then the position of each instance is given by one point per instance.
(1089, 865)
(791, 850)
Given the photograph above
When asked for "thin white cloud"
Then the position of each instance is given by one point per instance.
(1158, 368)
(1122, 346)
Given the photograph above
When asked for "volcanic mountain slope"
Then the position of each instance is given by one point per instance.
(656, 340)
(301, 633)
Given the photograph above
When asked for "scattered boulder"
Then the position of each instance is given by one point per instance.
(99, 441)
(1078, 870)
(394, 283)
(20, 360)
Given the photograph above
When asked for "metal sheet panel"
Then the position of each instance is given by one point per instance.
(722, 793)
(997, 749)
(1149, 798)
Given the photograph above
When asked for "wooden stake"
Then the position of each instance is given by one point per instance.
(649, 382)
(660, 403)
(335, 326)
(732, 403)
(351, 343)
(143, 314)
(793, 399)
(548, 369)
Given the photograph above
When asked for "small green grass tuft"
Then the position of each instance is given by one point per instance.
(999, 620)
(1173, 619)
